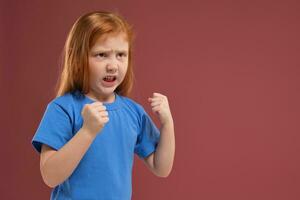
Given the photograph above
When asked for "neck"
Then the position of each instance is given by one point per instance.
(104, 99)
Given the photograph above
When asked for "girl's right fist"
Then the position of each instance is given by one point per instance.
(94, 117)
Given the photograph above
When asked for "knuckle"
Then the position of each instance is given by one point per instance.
(86, 106)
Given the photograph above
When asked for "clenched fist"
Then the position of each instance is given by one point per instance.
(160, 106)
(94, 117)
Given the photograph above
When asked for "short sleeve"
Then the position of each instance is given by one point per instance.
(148, 137)
(55, 128)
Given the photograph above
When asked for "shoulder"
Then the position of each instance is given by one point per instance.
(67, 102)
(133, 105)
(134, 109)
(62, 101)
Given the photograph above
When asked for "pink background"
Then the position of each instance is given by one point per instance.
(229, 68)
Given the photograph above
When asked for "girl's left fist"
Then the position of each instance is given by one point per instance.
(160, 106)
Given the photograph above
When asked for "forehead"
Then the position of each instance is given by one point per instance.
(109, 41)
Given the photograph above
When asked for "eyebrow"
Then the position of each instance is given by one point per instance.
(110, 51)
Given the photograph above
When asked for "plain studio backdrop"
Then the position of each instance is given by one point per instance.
(229, 68)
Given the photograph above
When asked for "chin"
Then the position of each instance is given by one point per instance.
(100, 89)
(108, 91)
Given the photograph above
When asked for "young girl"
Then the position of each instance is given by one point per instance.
(89, 133)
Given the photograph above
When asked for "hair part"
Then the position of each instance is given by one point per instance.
(83, 35)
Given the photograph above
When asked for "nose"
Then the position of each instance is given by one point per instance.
(112, 66)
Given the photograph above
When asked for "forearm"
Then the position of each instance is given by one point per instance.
(165, 152)
(61, 164)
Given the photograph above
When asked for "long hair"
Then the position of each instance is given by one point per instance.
(82, 36)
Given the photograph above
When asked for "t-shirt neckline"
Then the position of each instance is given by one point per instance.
(109, 106)
(116, 104)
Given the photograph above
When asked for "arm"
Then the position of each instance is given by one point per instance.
(161, 161)
(57, 166)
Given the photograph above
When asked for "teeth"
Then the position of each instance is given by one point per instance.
(109, 78)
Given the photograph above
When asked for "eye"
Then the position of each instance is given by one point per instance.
(122, 55)
(101, 55)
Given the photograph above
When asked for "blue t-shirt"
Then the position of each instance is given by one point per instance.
(105, 171)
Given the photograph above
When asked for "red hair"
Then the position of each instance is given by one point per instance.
(83, 35)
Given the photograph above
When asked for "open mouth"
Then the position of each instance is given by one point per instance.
(109, 78)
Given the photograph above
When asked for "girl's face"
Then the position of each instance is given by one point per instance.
(108, 62)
